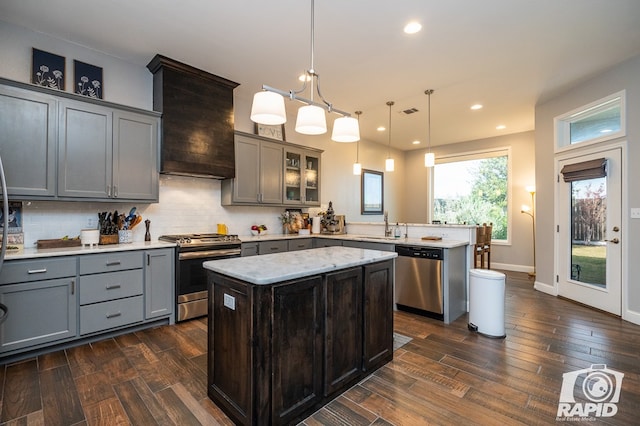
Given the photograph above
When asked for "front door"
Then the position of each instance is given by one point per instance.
(589, 234)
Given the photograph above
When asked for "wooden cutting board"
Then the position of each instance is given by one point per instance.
(432, 238)
(57, 243)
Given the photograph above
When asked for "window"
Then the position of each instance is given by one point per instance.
(599, 121)
(473, 188)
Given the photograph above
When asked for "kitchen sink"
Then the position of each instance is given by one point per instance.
(366, 237)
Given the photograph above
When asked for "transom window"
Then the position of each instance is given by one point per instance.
(473, 189)
(599, 121)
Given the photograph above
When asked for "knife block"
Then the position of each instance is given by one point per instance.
(108, 239)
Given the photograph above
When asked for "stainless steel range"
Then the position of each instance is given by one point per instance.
(191, 277)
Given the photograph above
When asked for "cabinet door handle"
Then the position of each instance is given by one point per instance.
(117, 314)
(115, 191)
(73, 287)
(148, 259)
(37, 271)
(113, 263)
(113, 286)
(108, 190)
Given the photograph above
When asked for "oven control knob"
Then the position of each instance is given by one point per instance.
(188, 240)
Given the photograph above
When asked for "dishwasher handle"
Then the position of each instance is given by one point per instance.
(420, 252)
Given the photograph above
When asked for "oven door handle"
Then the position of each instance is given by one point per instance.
(208, 254)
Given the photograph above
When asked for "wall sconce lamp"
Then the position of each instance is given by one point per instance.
(530, 211)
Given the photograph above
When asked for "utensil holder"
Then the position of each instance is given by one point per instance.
(125, 236)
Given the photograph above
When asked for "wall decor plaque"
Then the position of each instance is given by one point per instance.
(88, 80)
(47, 69)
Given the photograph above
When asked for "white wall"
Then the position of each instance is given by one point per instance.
(623, 76)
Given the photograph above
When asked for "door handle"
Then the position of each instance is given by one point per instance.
(614, 241)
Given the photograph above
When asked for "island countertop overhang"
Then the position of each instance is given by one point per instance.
(279, 267)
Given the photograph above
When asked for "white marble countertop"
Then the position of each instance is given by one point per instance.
(32, 253)
(444, 243)
(278, 267)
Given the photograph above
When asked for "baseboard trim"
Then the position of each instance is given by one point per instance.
(545, 288)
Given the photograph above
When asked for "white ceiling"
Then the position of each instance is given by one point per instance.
(505, 54)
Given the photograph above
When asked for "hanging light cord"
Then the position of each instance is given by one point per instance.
(390, 103)
(358, 141)
(428, 93)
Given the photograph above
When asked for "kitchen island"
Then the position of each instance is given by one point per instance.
(290, 331)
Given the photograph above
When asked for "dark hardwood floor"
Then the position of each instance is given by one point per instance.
(444, 375)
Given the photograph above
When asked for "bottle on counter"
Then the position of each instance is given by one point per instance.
(396, 231)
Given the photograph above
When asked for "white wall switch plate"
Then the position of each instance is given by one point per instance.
(230, 302)
(635, 213)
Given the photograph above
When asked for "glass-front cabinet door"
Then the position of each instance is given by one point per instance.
(293, 165)
(312, 179)
(302, 177)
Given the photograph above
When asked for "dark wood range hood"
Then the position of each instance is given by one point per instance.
(197, 119)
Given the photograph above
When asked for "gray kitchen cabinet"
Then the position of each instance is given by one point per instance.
(301, 177)
(135, 154)
(106, 153)
(85, 151)
(249, 249)
(274, 246)
(326, 242)
(299, 244)
(258, 172)
(111, 289)
(28, 125)
(369, 245)
(159, 290)
(41, 301)
(61, 146)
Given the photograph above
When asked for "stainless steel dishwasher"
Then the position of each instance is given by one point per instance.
(419, 279)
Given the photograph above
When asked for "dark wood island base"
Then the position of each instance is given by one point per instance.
(278, 352)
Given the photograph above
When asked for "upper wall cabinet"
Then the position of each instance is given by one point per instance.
(269, 172)
(62, 146)
(28, 141)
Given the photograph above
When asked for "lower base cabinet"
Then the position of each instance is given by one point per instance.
(59, 300)
(279, 352)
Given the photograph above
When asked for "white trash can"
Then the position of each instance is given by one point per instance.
(486, 302)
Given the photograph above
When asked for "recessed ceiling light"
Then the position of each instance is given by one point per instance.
(501, 127)
(416, 142)
(381, 129)
(476, 106)
(412, 27)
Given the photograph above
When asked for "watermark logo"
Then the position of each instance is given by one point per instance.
(589, 393)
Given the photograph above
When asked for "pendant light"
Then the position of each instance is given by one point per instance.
(357, 167)
(389, 164)
(268, 106)
(429, 157)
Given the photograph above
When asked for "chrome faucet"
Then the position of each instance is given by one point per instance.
(406, 230)
(387, 231)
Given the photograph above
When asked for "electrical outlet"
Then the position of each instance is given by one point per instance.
(230, 302)
(635, 213)
(91, 223)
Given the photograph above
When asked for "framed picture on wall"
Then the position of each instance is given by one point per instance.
(47, 69)
(372, 192)
(270, 131)
(87, 80)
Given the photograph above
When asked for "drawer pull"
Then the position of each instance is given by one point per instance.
(117, 314)
(113, 286)
(37, 271)
(113, 263)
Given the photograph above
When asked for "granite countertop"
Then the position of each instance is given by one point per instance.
(445, 243)
(278, 267)
(32, 253)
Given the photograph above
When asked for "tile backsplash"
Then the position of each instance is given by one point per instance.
(187, 205)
